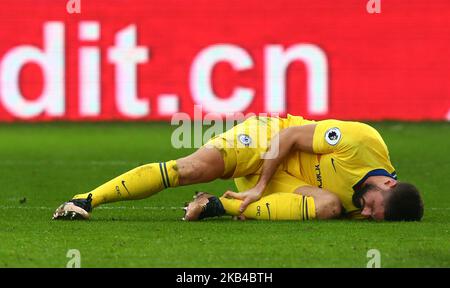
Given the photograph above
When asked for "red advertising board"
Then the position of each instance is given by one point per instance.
(148, 59)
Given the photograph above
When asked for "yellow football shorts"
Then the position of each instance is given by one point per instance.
(243, 148)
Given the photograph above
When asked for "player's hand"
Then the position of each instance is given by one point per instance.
(247, 197)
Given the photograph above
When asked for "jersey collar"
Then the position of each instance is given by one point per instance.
(376, 172)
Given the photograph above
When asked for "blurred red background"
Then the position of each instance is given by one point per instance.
(391, 65)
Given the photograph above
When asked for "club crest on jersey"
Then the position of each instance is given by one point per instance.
(332, 136)
(245, 139)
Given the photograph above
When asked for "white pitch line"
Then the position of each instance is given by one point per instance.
(67, 163)
(140, 208)
(136, 208)
(98, 208)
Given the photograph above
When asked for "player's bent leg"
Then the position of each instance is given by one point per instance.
(305, 203)
(204, 165)
(276, 206)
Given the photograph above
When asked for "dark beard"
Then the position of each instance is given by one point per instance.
(357, 196)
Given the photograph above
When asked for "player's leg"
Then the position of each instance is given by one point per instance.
(217, 159)
(285, 198)
(305, 203)
(276, 206)
(203, 165)
(279, 201)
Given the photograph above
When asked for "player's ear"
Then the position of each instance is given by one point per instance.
(390, 183)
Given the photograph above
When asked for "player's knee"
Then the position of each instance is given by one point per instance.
(329, 207)
(202, 166)
(190, 171)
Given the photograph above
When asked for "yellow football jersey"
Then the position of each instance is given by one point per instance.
(345, 155)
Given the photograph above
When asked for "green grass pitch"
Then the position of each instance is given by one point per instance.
(42, 165)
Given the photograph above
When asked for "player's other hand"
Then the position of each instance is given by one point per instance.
(247, 197)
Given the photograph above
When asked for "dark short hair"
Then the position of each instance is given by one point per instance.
(404, 203)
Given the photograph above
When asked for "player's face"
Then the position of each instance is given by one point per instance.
(372, 204)
(373, 196)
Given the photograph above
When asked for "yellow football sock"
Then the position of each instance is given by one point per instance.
(277, 206)
(138, 183)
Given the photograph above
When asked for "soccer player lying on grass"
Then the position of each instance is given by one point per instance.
(309, 170)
